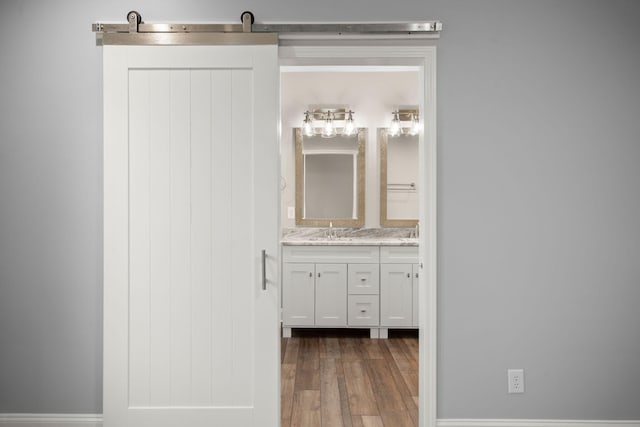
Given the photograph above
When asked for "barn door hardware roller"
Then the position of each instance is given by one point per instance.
(134, 19)
(136, 31)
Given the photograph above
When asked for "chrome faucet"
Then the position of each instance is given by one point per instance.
(415, 233)
(331, 233)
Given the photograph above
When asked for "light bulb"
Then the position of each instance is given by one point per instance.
(328, 130)
(394, 128)
(307, 124)
(349, 125)
(414, 127)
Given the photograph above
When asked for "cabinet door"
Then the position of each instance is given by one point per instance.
(298, 289)
(364, 279)
(331, 294)
(396, 295)
(416, 286)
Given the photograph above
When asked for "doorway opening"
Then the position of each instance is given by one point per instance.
(344, 376)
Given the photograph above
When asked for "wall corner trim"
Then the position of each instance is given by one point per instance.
(50, 420)
(534, 423)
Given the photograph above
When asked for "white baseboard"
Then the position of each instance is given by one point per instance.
(95, 420)
(534, 423)
(50, 420)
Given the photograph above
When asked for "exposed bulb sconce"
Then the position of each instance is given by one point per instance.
(414, 125)
(411, 120)
(307, 124)
(328, 130)
(395, 127)
(328, 117)
(349, 125)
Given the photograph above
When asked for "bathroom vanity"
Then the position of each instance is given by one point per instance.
(351, 277)
(366, 279)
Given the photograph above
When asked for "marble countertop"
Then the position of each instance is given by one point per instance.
(349, 237)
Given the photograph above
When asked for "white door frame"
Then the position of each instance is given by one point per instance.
(424, 56)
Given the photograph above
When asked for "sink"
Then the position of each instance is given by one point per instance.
(329, 239)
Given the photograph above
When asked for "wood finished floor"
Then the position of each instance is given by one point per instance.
(341, 378)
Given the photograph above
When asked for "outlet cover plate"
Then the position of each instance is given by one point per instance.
(516, 381)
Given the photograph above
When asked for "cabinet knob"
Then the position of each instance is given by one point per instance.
(409, 275)
(416, 275)
(318, 274)
(310, 274)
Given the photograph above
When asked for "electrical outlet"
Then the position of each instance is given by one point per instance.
(291, 212)
(516, 380)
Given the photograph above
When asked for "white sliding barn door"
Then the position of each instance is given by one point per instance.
(191, 199)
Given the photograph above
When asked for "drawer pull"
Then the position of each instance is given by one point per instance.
(363, 310)
(363, 279)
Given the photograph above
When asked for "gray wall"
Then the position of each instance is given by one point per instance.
(539, 192)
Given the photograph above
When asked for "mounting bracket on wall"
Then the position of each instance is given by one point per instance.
(136, 31)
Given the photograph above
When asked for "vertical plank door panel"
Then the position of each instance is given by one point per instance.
(180, 331)
(138, 285)
(243, 253)
(201, 253)
(222, 236)
(159, 236)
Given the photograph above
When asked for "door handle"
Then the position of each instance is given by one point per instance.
(264, 270)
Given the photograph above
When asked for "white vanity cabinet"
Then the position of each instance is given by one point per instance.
(335, 286)
(330, 286)
(310, 293)
(399, 278)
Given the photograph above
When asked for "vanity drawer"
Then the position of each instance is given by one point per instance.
(363, 279)
(331, 254)
(363, 310)
(399, 254)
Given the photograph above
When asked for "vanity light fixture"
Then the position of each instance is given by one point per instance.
(410, 118)
(328, 117)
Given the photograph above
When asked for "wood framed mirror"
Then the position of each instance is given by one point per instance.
(399, 179)
(330, 178)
